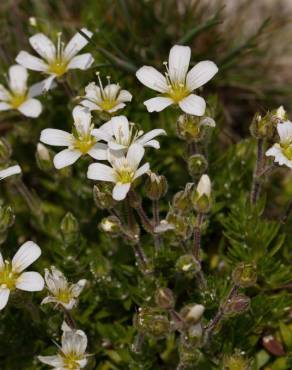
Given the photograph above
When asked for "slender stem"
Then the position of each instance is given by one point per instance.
(157, 238)
(197, 236)
(256, 183)
(144, 219)
(69, 92)
(68, 318)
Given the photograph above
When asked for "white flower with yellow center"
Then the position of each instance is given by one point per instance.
(107, 99)
(61, 291)
(71, 354)
(282, 151)
(18, 96)
(57, 60)
(119, 134)
(10, 171)
(80, 142)
(177, 85)
(12, 276)
(123, 171)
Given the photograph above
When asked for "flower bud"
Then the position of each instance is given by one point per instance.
(189, 356)
(236, 305)
(7, 218)
(100, 268)
(102, 197)
(182, 226)
(110, 225)
(201, 196)
(181, 201)
(265, 127)
(188, 265)
(197, 164)
(152, 321)
(155, 186)
(245, 275)
(70, 229)
(43, 157)
(192, 313)
(236, 361)
(164, 298)
(193, 128)
(5, 151)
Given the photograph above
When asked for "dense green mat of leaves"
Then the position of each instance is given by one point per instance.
(130, 320)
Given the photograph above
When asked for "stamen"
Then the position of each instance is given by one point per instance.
(100, 85)
(59, 46)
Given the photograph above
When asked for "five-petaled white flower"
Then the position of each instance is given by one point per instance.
(79, 143)
(107, 99)
(71, 354)
(283, 151)
(12, 277)
(56, 60)
(124, 170)
(119, 134)
(18, 96)
(13, 170)
(177, 85)
(62, 292)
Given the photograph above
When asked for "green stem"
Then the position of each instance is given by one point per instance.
(256, 182)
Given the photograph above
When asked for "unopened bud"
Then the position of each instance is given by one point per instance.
(192, 313)
(152, 321)
(189, 356)
(32, 21)
(236, 305)
(201, 196)
(164, 298)
(155, 186)
(193, 128)
(43, 157)
(197, 164)
(102, 197)
(181, 201)
(70, 229)
(7, 218)
(182, 226)
(236, 361)
(100, 268)
(5, 151)
(245, 275)
(188, 265)
(111, 225)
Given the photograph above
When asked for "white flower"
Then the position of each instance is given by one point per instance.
(62, 292)
(79, 143)
(177, 85)
(72, 354)
(195, 313)
(119, 134)
(13, 170)
(283, 151)
(124, 170)
(204, 186)
(56, 61)
(18, 96)
(106, 99)
(12, 277)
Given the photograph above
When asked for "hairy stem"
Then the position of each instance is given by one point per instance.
(197, 236)
(256, 183)
(157, 238)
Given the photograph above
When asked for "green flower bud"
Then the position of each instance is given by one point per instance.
(164, 298)
(70, 229)
(155, 186)
(100, 268)
(111, 225)
(188, 265)
(197, 164)
(245, 275)
(236, 305)
(201, 196)
(5, 151)
(43, 157)
(152, 321)
(192, 313)
(182, 226)
(7, 218)
(193, 128)
(189, 356)
(102, 197)
(236, 361)
(181, 201)
(265, 127)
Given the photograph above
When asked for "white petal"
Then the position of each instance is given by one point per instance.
(102, 172)
(179, 60)
(158, 104)
(152, 144)
(285, 131)
(13, 170)
(102, 134)
(76, 44)
(82, 119)
(98, 151)
(31, 108)
(2, 264)
(124, 96)
(120, 191)
(55, 361)
(208, 121)
(117, 107)
(93, 92)
(153, 79)
(78, 287)
(200, 74)
(18, 79)
(115, 146)
(82, 61)
(150, 135)
(25, 256)
(49, 83)
(111, 91)
(4, 94)
(5, 106)
(41, 87)
(135, 155)
(120, 128)
(56, 137)
(143, 169)
(43, 46)
(30, 281)
(29, 61)
(4, 296)
(280, 158)
(274, 150)
(66, 157)
(204, 186)
(193, 104)
(90, 105)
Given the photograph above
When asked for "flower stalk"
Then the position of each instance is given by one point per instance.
(256, 182)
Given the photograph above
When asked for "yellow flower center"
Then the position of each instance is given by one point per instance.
(16, 100)
(178, 92)
(287, 150)
(58, 67)
(125, 174)
(8, 277)
(107, 104)
(85, 144)
(64, 296)
(71, 361)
